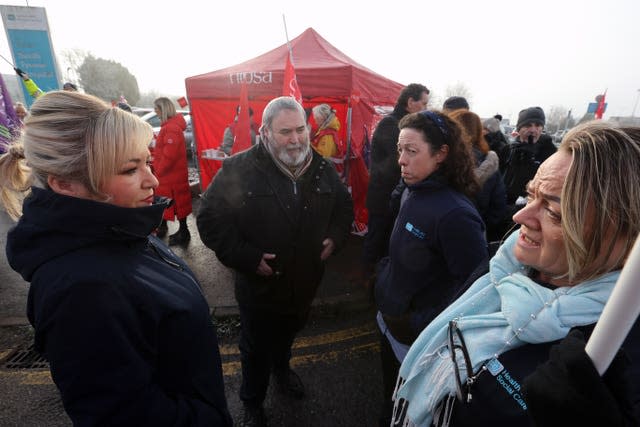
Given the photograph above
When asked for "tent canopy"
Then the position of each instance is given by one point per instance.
(321, 70)
(324, 75)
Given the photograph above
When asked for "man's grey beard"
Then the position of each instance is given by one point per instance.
(284, 155)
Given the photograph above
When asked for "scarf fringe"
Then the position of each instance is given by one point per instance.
(444, 411)
(399, 405)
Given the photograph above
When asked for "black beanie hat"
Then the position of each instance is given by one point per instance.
(124, 106)
(455, 103)
(530, 115)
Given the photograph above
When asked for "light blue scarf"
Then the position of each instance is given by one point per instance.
(489, 313)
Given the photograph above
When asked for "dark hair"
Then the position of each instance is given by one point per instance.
(124, 106)
(455, 103)
(459, 167)
(413, 91)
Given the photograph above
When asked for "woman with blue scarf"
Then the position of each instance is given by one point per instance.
(437, 239)
(489, 358)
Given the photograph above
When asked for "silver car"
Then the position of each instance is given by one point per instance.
(154, 121)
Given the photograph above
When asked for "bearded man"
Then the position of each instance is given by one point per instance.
(274, 214)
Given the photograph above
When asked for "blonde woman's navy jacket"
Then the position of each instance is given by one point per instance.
(121, 319)
(436, 242)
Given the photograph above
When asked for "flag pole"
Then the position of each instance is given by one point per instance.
(8, 62)
(286, 34)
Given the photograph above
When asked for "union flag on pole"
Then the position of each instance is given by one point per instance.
(242, 134)
(290, 86)
(601, 105)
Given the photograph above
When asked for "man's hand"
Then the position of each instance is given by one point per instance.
(327, 248)
(265, 269)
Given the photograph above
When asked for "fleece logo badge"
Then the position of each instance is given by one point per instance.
(509, 384)
(414, 230)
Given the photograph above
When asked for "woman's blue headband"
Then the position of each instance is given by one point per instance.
(435, 118)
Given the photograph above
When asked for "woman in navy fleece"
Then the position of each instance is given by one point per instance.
(437, 239)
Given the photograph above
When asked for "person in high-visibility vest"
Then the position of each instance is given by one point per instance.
(33, 88)
(29, 84)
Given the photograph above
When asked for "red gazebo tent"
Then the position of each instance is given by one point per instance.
(324, 74)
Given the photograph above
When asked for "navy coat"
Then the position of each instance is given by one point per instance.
(121, 320)
(437, 241)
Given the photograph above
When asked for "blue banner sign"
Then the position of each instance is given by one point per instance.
(28, 36)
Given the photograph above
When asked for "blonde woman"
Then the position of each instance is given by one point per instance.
(170, 166)
(121, 320)
(510, 350)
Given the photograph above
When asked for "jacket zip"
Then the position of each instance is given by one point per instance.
(165, 259)
(177, 266)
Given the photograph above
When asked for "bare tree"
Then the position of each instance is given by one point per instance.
(108, 80)
(559, 118)
(147, 98)
(70, 62)
(459, 89)
(555, 115)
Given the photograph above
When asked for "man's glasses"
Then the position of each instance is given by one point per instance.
(461, 360)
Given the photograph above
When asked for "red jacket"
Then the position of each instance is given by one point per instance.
(170, 167)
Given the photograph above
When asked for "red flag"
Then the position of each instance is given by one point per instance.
(242, 136)
(601, 105)
(290, 86)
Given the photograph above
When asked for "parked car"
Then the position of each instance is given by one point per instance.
(141, 111)
(153, 119)
(557, 137)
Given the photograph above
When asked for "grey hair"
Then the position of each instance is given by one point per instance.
(325, 112)
(275, 106)
(492, 125)
(73, 136)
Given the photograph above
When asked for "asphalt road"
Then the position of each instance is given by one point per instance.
(336, 355)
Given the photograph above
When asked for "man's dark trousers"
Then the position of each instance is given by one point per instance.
(265, 346)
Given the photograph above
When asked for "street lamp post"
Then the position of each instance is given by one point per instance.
(633, 113)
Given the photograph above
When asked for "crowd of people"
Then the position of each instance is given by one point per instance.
(489, 262)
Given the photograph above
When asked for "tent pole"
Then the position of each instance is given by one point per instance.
(348, 154)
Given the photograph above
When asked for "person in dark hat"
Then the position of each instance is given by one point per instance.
(124, 106)
(70, 87)
(519, 161)
(530, 125)
(455, 103)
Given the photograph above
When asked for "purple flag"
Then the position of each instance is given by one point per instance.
(9, 123)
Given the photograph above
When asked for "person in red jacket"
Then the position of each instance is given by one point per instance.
(170, 166)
